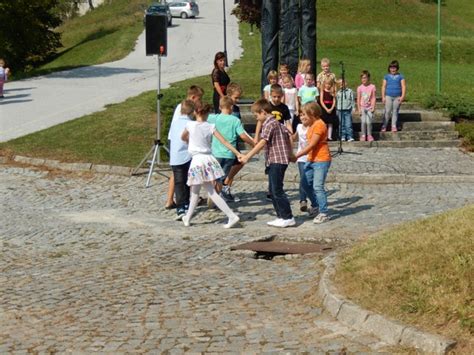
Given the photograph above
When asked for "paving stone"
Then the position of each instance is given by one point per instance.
(95, 263)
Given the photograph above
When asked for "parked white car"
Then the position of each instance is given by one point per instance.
(183, 9)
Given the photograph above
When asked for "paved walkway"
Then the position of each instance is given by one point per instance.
(94, 263)
(38, 103)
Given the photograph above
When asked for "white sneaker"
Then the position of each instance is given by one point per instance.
(275, 221)
(321, 218)
(283, 223)
(343, 139)
(232, 221)
(350, 140)
(186, 220)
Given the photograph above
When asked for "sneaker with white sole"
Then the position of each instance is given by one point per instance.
(227, 195)
(313, 212)
(179, 215)
(321, 218)
(232, 222)
(275, 221)
(283, 223)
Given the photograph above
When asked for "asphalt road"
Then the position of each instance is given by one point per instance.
(34, 104)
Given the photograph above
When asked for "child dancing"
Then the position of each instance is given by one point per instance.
(204, 169)
(319, 159)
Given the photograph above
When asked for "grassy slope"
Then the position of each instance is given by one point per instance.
(362, 37)
(106, 34)
(420, 273)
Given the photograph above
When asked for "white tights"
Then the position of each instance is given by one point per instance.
(215, 197)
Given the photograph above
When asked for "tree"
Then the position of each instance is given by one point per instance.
(249, 11)
(27, 31)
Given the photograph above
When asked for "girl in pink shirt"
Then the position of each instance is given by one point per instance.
(366, 105)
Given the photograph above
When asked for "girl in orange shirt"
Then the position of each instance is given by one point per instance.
(319, 159)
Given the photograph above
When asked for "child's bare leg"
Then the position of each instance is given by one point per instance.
(233, 172)
(329, 131)
(170, 195)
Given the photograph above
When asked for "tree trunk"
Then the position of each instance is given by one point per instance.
(289, 34)
(308, 32)
(269, 28)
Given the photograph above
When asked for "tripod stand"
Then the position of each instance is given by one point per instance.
(157, 145)
(341, 105)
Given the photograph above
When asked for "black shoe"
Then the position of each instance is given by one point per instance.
(269, 197)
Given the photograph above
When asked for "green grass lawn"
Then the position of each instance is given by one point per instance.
(366, 35)
(420, 273)
(105, 34)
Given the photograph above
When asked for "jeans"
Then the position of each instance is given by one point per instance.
(345, 117)
(316, 173)
(181, 189)
(366, 121)
(276, 175)
(303, 183)
(392, 106)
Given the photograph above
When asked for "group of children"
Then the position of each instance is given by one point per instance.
(203, 153)
(336, 99)
(203, 146)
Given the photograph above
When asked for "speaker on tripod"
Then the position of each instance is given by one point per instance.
(156, 34)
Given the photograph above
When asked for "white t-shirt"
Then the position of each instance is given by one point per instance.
(200, 137)
(302, 141)
(290, 97)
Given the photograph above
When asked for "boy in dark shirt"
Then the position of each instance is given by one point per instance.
(279, 110)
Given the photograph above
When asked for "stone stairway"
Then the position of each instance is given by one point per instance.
(418, 128)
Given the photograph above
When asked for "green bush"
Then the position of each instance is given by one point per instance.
(466, 130)
(459, 106)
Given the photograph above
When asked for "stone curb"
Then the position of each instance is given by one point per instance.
(390, 331)
(251, 176)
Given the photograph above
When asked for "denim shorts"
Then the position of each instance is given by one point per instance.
(226, 165)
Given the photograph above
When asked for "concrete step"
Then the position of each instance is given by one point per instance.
(246, 104)
(404, 116)
(449, 143)
(429, 126)
(414, 135)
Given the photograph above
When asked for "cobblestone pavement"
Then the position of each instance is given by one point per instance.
(413, 161)
(95, 263)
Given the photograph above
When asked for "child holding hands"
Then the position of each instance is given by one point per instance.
(275, 138)
(319, 159)
(205, 169)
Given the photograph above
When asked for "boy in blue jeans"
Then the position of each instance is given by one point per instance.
(231, 128)
(275, 137)
(345, 103)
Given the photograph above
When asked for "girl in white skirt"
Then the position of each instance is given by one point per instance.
(205, 169)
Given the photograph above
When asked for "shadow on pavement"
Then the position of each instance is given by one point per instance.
(2, 102)
(19, 89)
(95, 72)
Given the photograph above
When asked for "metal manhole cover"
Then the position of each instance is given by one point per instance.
(283, 247)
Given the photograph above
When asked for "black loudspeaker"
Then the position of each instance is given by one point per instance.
(156, 34)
